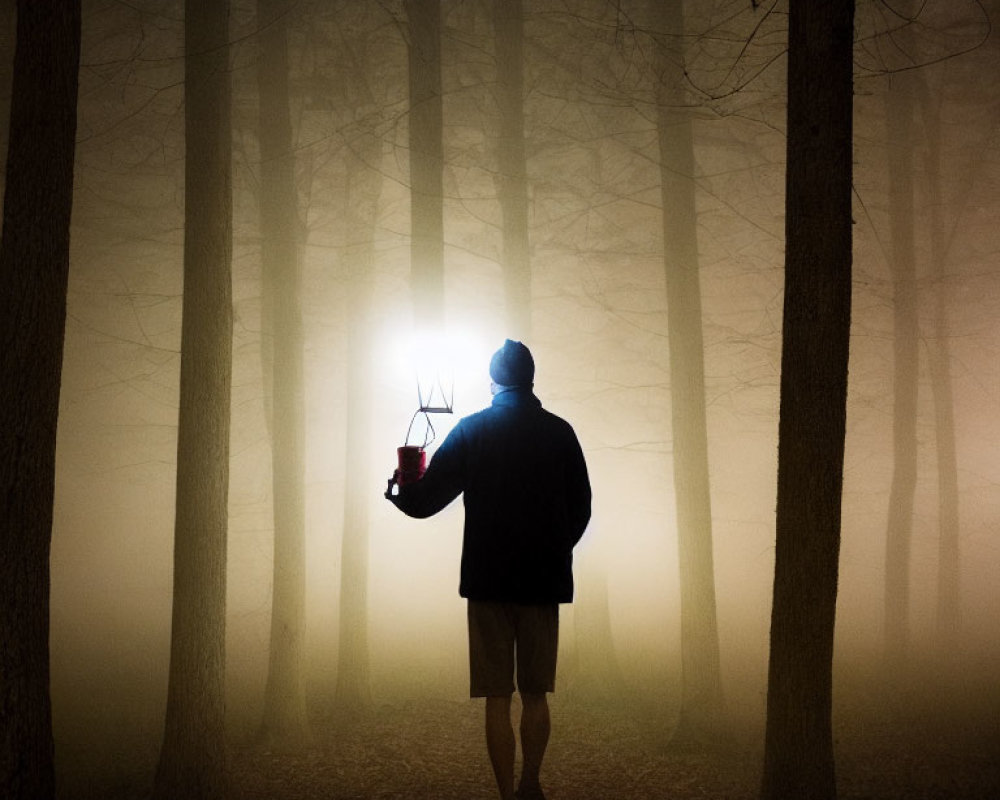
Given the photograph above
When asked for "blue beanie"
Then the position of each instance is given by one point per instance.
(512, 365)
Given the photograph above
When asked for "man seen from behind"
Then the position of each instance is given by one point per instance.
(527, 499)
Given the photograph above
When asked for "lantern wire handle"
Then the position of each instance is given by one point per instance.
(429, 433)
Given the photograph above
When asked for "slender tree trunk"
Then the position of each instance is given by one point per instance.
(512, 180)
(949, 606)
(798, 740)
(353, 692)
(899, 116)
(34, 269)
(284, 721)
(192, 759)
(426, 160)
(598, 670)
(702, 706)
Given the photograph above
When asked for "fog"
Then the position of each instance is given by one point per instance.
(598, 335)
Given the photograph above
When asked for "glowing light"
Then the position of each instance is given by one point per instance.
(448, 366)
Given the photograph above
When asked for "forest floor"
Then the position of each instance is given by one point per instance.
(419, 751)
(433, 748)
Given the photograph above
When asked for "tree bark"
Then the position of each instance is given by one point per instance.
(798, 740)
(192, 759)
(702, 706)
(512, 180)
(8, 37)
(426, 161)
(899, 134)
(34, 270)
(284, 721)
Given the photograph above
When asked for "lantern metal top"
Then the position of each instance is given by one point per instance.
(433, 396)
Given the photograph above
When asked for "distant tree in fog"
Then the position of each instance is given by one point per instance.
(34, 268)
(949, 607)
(361, 192)
(906, 335)
(192, 759)
(594, 661)
(798, 741)
(512, 172)
(909, 134)
(353, 691)
(702, 706)
(426, 160)
(284, 721)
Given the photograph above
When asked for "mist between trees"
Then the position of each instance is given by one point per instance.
(538, 175)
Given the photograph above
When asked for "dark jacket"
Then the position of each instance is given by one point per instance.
(527, 499)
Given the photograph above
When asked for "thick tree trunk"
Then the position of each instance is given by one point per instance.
(899, 133)
(284, 720)
(426, 160)
(702, 707)
(34, 269)
(192, 760)
(512, 180)
(8, 36)
(798, 740)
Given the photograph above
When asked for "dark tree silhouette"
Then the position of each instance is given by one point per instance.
(34, 269)
(512, 177)
(906, 338)
(284, 720)
(798, 741)
(702, 704)
(192, 759)
(8, 33)
(426, 159)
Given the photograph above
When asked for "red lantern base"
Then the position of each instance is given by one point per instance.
(412, 463)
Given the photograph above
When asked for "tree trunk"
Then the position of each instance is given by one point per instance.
(353, 692)
(597, 670)
(798, 739)
(899, 133)
(192, 759)
(34, 269)
(8, 35)
(702, 707)
(949, 606)
(426, 161)
(284, 720)
(512, 180)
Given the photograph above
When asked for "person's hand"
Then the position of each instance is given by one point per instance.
(392, 482)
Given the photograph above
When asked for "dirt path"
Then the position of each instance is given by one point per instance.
(419, 751)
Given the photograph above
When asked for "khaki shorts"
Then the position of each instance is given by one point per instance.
(500, 631)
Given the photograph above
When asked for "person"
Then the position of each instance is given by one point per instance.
(527, 503)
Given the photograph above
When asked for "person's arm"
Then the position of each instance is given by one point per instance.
(578, 490)
(442, 482)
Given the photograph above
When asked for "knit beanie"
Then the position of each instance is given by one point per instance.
(512, 365)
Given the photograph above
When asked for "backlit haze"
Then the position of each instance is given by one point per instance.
(598, 336)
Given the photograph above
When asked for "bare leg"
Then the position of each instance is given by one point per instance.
(535, 727)
(500, 743)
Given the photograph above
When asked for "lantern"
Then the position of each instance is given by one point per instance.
(435, 377)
